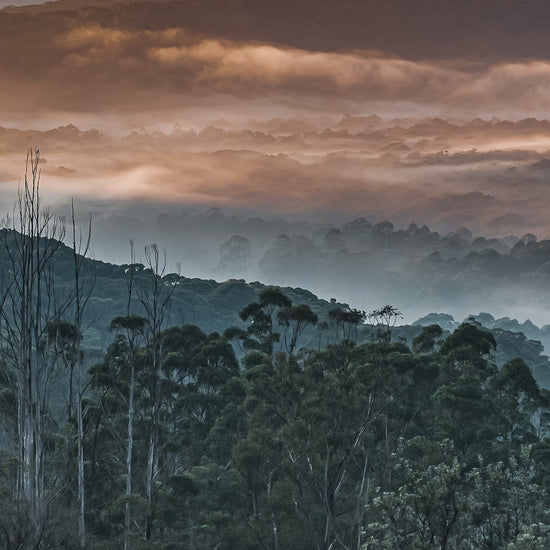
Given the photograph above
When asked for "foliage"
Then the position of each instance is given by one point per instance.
(362, 443)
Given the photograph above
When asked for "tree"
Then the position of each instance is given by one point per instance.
(518, 398)
(63, 339)
(305, 459)
(383, 320)
(262, 316)
(295, 319)
(133, 328)
(155, 299)
(426, 341)
(30, 300)
(345, 322)
(109, 442)
(468, 348)
(84, 281)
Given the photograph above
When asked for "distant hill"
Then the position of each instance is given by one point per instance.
(214, 306)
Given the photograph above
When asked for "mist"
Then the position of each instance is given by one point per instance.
(248, 145)
(364, 263)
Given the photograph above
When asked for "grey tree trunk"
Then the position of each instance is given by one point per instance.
(134, 333)
(129, 451)
(84, 284)
(81, 493)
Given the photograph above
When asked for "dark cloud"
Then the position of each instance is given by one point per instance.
(93, 64)
(473, 29)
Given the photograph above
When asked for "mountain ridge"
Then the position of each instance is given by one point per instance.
(214, 306)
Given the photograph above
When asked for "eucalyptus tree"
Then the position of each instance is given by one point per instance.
(133, 328)
(108, 445)
(344, 323)
(383, 320)
(312, 418)
(262, 319)
(295, 319)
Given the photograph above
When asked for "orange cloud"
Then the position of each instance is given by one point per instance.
(95, 69)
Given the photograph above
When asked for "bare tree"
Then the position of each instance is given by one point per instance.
(29, 239)
(84, 281)
(34, 335)
(155, 299)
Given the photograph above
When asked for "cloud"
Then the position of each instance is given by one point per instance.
(241, 105)
(392, 169)
(475, 200)
(520, 83)
(233, 66)
(506, 223)
(97, 68)
(431, 29)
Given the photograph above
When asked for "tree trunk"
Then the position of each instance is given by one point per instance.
(129, 450)
(81, 493)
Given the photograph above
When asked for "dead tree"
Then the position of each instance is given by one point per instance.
(155, 299)
(30, 237)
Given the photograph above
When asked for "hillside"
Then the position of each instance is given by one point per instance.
(164, 435)
(215, 306)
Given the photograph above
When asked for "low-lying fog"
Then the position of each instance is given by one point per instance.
(302, 201)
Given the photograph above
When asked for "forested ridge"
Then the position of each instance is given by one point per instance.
(298, 424)
(372, 445)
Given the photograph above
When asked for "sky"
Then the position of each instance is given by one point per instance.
(6, 3)
(433, 111)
